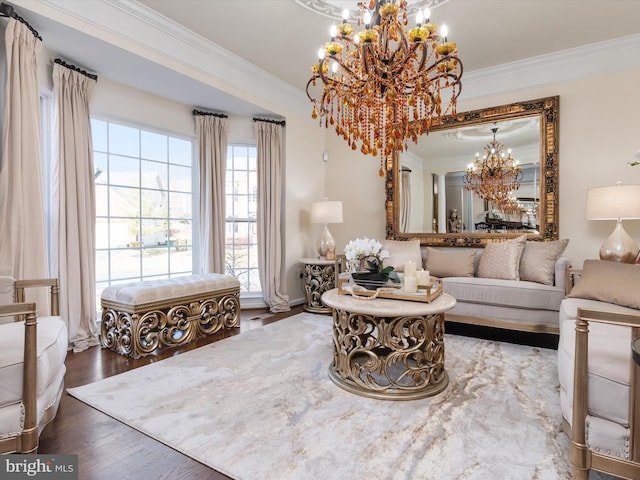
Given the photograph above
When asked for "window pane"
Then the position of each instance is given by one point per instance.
(124, 171)
(180, 152)
(180, 258)
(102, 200)
(125, 264)
(179, 178)
(180, 205)
(154, 175)
(124, 202)
(154, 233)
(153, 146)
(155, 261)
(124, 140)
(154, 204)
(99, 135)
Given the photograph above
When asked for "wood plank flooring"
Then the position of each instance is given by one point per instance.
(108, 449)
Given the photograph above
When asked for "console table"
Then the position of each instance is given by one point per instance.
(319, 275)
(388, 349)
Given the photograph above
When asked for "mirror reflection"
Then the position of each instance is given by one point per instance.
(451, 189)
(473, 178)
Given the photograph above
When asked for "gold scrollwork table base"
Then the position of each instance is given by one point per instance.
(388, 356)
(137, 330)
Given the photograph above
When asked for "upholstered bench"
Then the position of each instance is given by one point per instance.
(139, 317)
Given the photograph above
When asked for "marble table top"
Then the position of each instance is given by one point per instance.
(385, 307)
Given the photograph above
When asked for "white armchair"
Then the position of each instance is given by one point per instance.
(599, 379)
(32, 354)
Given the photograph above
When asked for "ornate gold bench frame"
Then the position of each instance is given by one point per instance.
(137, 330)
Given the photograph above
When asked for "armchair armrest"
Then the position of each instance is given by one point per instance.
(27, 311)
(581, 457)
(52, 283)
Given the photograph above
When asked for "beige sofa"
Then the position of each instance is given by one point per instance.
(597, 374)
(515, 285)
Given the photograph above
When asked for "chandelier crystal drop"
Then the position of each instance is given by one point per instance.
(495, 175)
(384, 84)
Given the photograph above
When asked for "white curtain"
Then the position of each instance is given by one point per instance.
(23, 251)
(212, 162)
(405, 201)
(73, 196)
(270, 153)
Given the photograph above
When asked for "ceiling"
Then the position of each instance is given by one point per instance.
(282, 37)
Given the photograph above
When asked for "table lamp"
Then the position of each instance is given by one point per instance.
(618, 202)
(326, 212)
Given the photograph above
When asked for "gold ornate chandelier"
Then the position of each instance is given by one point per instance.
(494, 176)
(384, 85)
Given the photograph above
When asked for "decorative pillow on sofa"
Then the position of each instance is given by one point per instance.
(450, 263)
(538, 261)
(502, 260)
(402, 251)
(611, 282)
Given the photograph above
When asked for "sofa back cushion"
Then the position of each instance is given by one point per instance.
(611, 282)
(538, 260)
(502, 260)
(450, 263)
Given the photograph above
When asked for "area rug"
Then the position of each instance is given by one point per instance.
(260, 405)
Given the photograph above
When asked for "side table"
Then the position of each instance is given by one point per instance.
(318, 276)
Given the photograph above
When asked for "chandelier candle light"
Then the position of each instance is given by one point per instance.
(385, 85)
(495, 175)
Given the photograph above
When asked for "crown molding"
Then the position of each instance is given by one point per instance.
(602, 58)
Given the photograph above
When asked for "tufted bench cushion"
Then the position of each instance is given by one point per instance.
(157, 290)
(139, 317)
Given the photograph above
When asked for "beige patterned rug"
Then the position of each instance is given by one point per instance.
(260, 405)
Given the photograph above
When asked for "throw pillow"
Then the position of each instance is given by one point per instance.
(538, 261)
(502, 260)
(450, 263)
(611, 282)
(401, 251)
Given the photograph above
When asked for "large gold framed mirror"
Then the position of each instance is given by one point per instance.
(429, 193)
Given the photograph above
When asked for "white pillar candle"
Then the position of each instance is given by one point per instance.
(409, 269)
(423, 277)
(410, 284)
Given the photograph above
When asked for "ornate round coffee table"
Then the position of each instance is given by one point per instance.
(388, 349)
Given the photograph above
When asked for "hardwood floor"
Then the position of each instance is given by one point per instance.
(108, 449)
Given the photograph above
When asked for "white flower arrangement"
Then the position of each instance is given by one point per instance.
(368, 254)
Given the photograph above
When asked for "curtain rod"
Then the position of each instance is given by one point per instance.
(211, 114)
(268, 120)
(6, 10)
(76, 69)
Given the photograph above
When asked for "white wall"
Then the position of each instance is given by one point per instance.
(599, 131)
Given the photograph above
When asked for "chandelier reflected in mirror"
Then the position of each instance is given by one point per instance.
(385, 84)
(495, 175)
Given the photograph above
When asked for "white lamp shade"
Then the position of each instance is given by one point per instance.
(326, 212)
(614, 202)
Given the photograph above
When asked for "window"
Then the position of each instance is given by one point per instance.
(144, 210)
(241, 243)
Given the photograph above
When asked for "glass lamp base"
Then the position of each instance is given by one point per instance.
(326, 242)
(619, 247)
